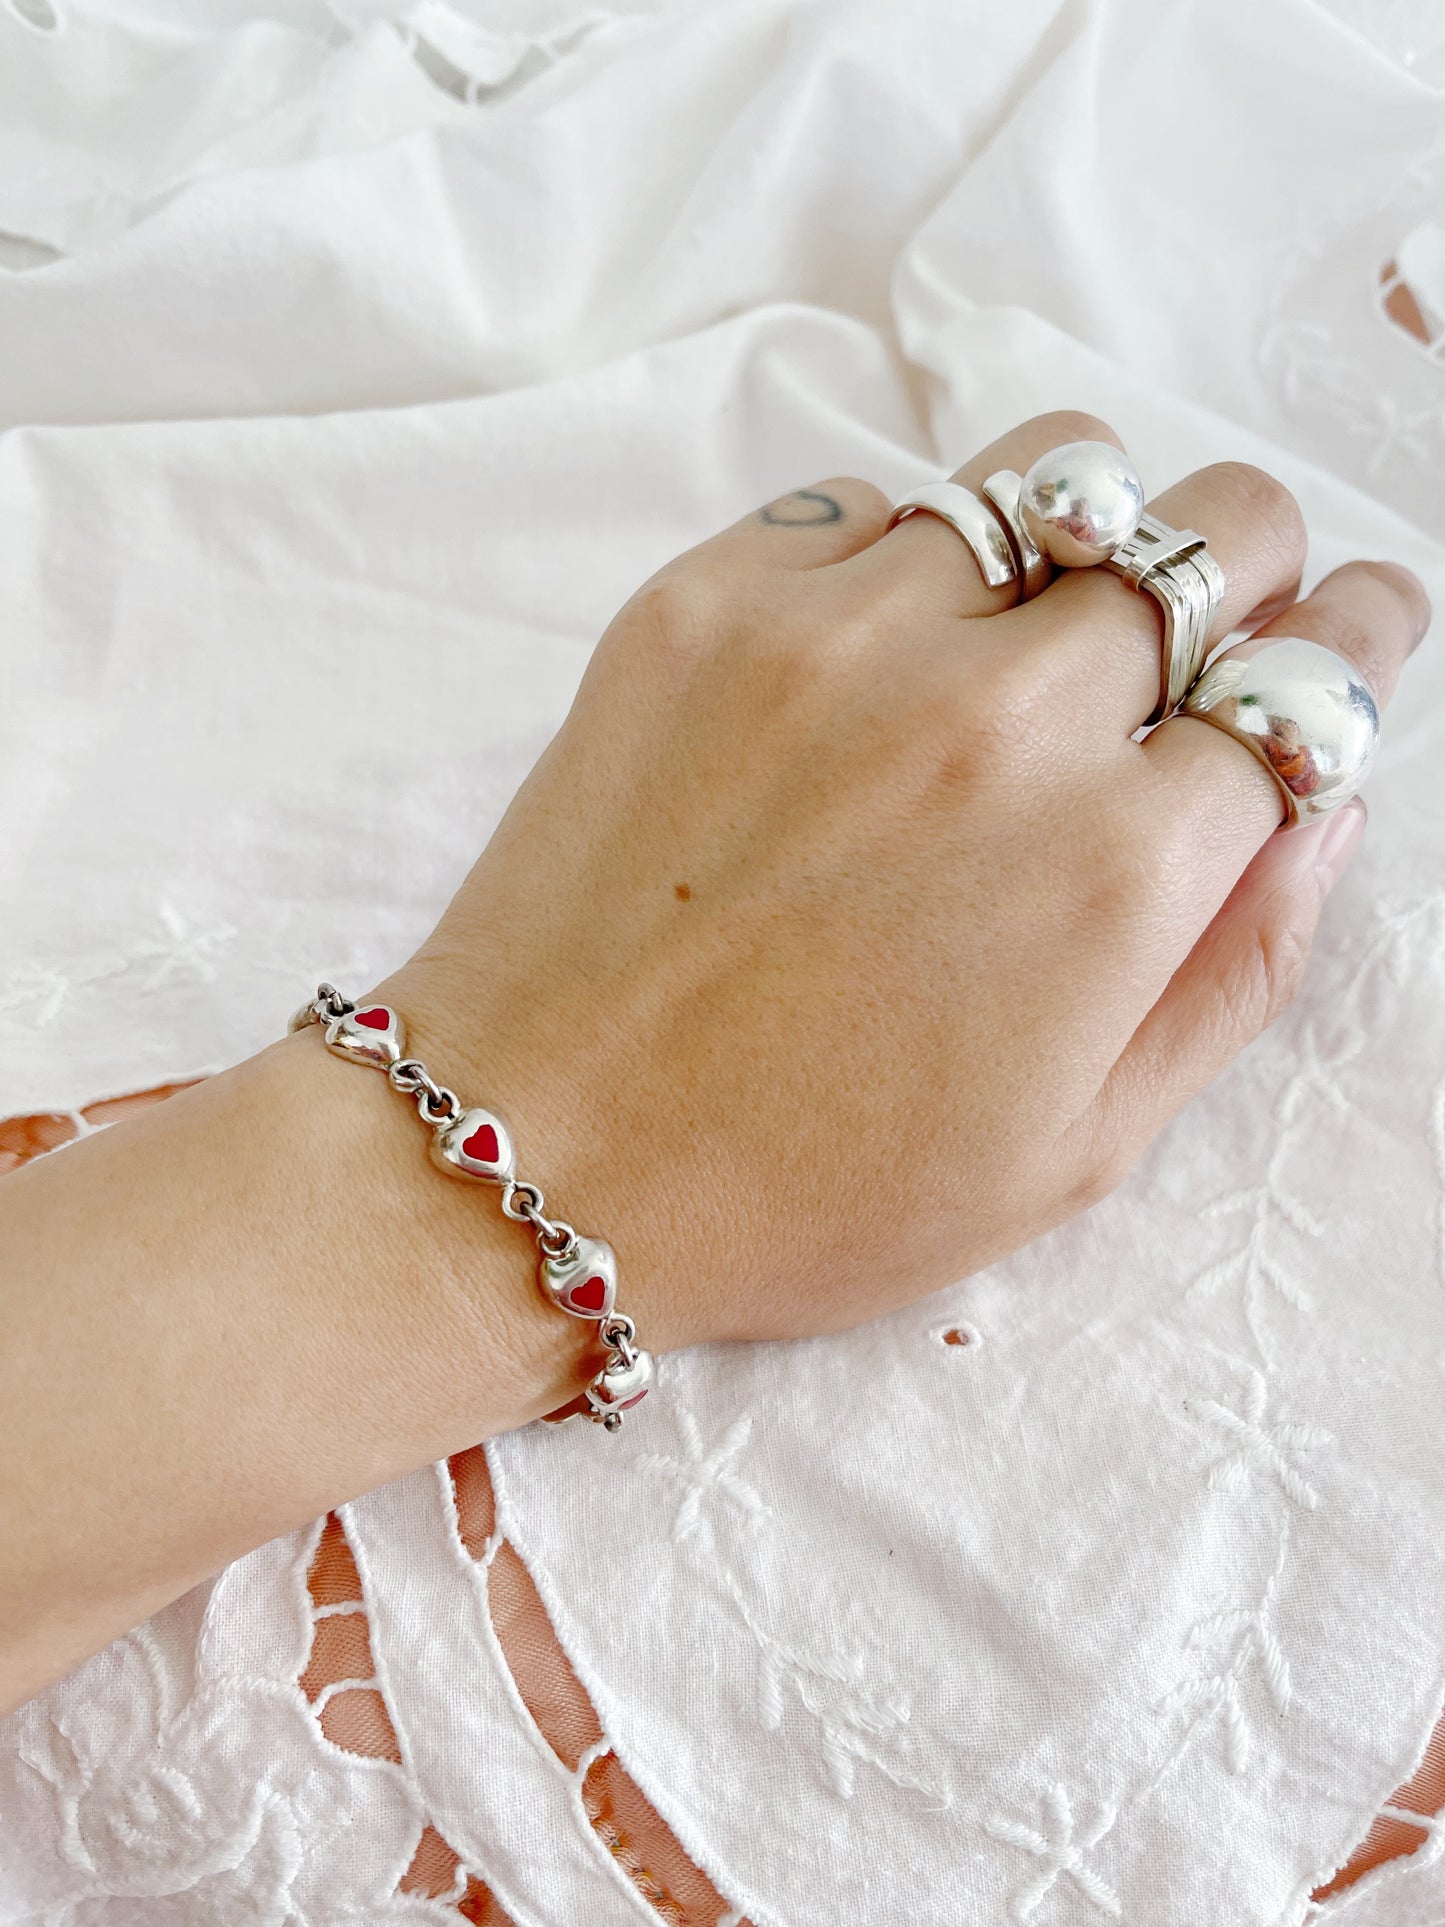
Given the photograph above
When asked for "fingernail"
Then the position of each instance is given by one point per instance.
(1337, 840)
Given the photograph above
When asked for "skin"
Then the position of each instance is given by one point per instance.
(843, 940)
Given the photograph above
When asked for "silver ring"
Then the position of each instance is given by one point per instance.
(1031, 566)
(966, 516)
(1080, 501)
(1174, 567)
(1303, 710)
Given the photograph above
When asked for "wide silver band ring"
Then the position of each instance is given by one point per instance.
(1174, 567)
(1302, 710)
(951, 502)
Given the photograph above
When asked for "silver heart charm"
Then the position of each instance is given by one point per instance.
(477, 1145)
(585, 1281)
(620, 1385)
(370, 1034)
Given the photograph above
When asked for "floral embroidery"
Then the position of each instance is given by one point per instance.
(701, 1473)
(857, 1723)
(1250, 1644)
(1063, 1848)
(1260, 1450)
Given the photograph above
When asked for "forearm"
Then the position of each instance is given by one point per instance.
(226, 1316)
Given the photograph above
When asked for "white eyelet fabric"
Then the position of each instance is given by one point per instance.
(381, 352)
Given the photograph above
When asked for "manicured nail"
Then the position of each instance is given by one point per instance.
(1337, 840)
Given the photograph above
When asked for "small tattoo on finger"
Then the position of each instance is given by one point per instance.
(804, 508)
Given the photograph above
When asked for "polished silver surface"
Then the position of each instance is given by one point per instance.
(1002, 490)
(583, 1281)
(623, 1381)
(475, 1144)
(1303, 710)
(320, 1009)
(370, 1034)
(1152, 544)
(961, 509)
(1080, 501)
(577, 1273)
(1175, 568)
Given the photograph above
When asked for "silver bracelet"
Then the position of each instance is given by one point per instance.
(577, 1274)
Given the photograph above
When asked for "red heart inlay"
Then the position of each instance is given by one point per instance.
(482, 1145)
(378, 1018)
(590, 1295)
(636, 1399)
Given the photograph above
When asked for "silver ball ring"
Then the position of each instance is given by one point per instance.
(1302, 710)
(1080, 501)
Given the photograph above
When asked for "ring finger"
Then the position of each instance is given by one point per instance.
(1107, 638)
(1222, 799)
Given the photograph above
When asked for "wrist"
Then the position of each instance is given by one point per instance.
(449, 1281)
(575, 1270)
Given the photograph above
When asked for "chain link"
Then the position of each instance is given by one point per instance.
(522, 1203)
(529, 1210)
(437, 1106)
(617, 1334)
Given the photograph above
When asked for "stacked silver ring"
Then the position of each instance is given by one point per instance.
(1303, 711)
(1174, 567)
(1078, 506)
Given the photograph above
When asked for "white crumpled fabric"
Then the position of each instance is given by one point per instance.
(355, 364)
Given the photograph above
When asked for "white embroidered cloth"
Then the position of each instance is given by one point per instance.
(356, 364)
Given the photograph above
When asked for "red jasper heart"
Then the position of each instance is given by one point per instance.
(482, 1145)
(590, 1295)
(376, 1019)
(636, 1399)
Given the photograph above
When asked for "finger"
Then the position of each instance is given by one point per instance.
(1218, 799)
(1240, 975)
(805, 529)
(1106, 638)
(929, 563)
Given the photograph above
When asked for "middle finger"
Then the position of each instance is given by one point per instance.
(1106, 639)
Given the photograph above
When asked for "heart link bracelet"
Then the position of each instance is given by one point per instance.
(577, 1274)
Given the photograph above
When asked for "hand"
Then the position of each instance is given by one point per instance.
(845, 938)
(841, 941)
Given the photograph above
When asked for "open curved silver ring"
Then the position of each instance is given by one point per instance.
(1303, 710)
(1003, 491)
(951, 502)
(1079, 505)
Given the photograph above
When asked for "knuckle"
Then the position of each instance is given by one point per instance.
(1403, 587)
(1266, 978)
(861, 501)
(1270, 510)
(891, 607)
(1124, 890)
(1062, 425)
(678, 609)
(665, 632)
(997, 716)
(1108, 1161)
(1016, 681)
